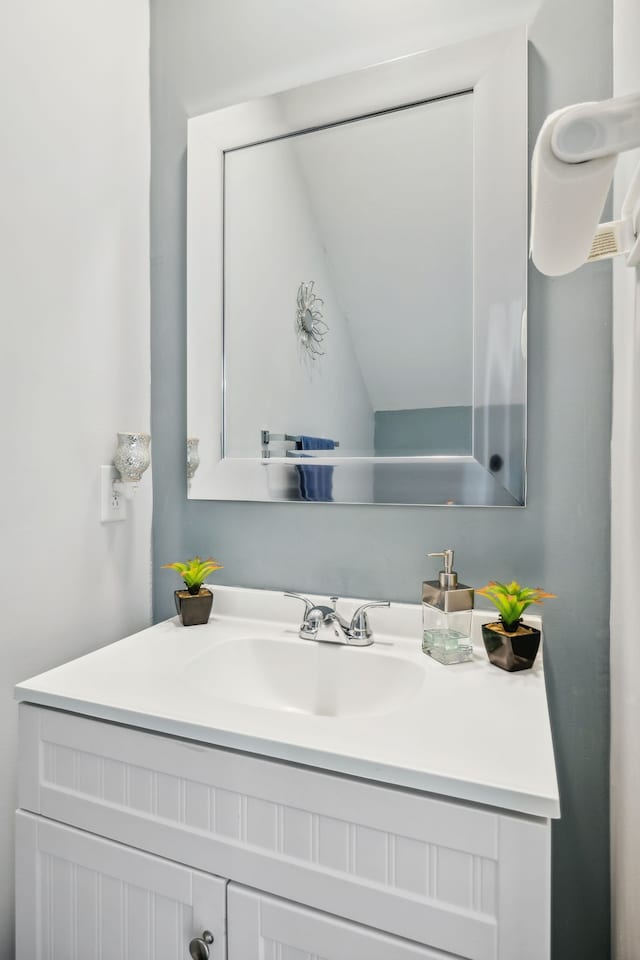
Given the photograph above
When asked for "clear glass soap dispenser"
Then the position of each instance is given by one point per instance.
(447, 608)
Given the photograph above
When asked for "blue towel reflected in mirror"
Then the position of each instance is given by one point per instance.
(315, 482)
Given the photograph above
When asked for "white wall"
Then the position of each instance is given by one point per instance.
(272, 244)
(74, 359)
(393, 200)
(625, 536)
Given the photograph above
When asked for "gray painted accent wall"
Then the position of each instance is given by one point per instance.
(208, 54)
(430, 430)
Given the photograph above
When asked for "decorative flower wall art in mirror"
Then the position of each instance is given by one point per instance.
(311, 326)
(401, 189)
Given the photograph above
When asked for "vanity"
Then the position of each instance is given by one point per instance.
(234, 791)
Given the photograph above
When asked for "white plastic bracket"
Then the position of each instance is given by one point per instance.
(572, 167)
(621, 236)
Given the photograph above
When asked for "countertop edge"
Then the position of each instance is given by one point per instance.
(502, 799)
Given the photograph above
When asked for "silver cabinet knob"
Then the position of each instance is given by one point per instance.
(199, 946)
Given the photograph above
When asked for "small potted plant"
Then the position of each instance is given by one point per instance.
(194, 603)
(510, 644)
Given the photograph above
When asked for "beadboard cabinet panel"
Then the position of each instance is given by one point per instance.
(80, 897)
(467, 880)
(265, 928)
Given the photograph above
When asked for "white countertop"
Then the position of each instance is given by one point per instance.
(470, 731)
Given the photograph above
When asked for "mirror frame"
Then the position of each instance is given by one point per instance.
(494, 68)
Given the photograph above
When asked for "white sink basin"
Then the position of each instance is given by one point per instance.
(302, 676)
(246, 682)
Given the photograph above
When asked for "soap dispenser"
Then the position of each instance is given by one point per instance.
(447, 608)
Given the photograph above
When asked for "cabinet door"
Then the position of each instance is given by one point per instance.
(79, 897)
(261, 927)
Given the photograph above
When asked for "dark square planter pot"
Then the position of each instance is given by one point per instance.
(511, 651)
(193, 608)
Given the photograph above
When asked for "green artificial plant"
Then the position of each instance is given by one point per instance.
(194, 572)
(512, 600)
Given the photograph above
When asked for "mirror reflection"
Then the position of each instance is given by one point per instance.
(348, 288)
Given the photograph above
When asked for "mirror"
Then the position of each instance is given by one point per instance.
(368, 234)
(376, 351)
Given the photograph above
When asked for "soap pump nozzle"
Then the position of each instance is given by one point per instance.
(447, 578)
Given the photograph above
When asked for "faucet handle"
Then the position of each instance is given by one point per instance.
(308, 605)
(360, 628)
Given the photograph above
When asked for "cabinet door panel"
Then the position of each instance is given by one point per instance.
(80, 897)
(261, 927)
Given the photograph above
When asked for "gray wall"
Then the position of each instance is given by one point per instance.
(430, 430)
(206, 54)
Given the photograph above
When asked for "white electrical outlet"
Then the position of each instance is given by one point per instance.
(113, 505)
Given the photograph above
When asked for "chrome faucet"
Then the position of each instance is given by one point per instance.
(326, 625)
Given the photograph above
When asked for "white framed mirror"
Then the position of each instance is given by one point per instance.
(356, 272)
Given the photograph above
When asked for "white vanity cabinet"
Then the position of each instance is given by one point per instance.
(131, 843)
(266, 928)
(84, 897)
(80, 897)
